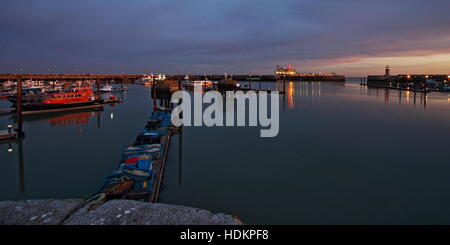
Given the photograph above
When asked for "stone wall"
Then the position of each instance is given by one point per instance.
(114, 212)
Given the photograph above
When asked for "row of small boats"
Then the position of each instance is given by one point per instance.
(134, 178)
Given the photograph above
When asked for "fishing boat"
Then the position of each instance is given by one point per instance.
(107, 88)
(205, 85)
(146, 80)
(112, 99)
(77, 98)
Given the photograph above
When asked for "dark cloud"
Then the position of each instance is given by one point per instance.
(213, 36)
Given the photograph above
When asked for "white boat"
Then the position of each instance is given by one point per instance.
(146, 80)
(107, 88)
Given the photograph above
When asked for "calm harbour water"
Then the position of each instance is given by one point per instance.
(345, 154)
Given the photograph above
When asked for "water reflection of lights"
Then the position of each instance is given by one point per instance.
(291, 91)
(76, 119)
(112, 115)
(408, 93)
(310, 90)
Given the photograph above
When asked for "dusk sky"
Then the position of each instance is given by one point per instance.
(216, 36)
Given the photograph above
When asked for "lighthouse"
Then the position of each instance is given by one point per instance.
(387, 71)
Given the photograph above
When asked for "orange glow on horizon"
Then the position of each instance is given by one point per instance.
(430, 64)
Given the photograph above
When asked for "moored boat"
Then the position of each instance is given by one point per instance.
(77, 98)
(205, 85)
(138, 175)
(107, 88)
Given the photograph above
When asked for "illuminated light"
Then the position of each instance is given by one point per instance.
(409, 76)
(112, 115)
(427, 76)
(448, 76)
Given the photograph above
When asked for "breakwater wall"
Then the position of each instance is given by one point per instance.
(324, 78)
(114, 212)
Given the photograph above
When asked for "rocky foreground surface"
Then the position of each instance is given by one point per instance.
(114, 212)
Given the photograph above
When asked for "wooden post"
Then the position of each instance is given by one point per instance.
(180, 156)
(21, 167)
(98, 87)
(19, 106)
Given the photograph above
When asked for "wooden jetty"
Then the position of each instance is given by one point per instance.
(5, 135)
(9, 134)
(6, 111)
(159, 167)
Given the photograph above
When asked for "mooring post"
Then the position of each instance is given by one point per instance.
(19, 106)
(180, 156)
(98, 87)
(21, 167)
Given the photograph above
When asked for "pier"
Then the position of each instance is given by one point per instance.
(420, 83)
(269, 78)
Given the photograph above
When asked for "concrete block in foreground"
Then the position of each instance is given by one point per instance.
(127, 212)
(38, 212)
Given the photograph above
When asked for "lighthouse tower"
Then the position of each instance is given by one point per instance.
(387, 71)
